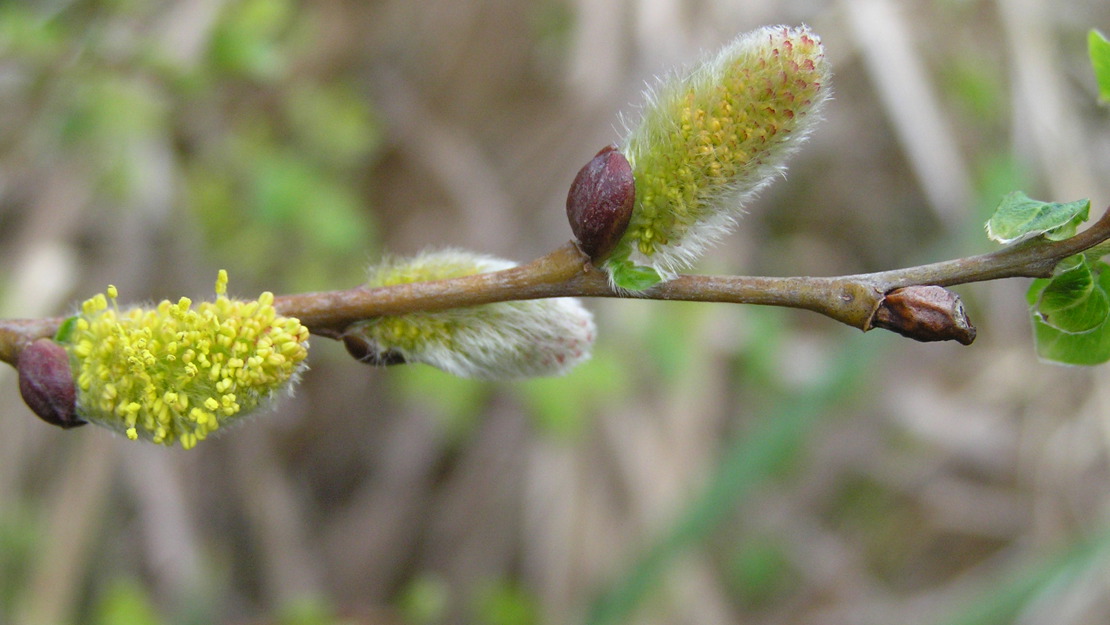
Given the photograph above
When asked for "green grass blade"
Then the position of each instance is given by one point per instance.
(1002, 602)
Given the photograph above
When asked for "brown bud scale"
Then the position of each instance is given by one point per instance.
(600, 202)
(365, 351)
(925, 313)
(46, 383)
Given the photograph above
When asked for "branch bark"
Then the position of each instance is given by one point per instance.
(854, 300)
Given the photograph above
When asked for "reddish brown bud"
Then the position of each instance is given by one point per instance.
(600, 201)
(925, 313)
(46, 383)
(363, 350)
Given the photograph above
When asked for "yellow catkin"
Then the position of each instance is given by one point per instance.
(175, 373)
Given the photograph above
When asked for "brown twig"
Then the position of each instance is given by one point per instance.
(567, 272)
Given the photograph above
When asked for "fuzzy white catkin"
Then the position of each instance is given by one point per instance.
(505, 340)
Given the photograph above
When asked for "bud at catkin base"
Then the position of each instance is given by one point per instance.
(46, 383)
(600, 202)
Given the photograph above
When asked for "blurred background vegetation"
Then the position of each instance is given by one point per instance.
(712, 464)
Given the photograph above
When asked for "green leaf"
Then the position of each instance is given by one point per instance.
(1099, 48)
(1071, 313)
(1018, 217)
(1071, 301)
(632, 277)
(65, 330)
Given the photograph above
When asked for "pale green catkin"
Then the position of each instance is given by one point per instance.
(708, 141)
(504, 340)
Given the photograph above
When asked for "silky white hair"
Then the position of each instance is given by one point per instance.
(499, 341)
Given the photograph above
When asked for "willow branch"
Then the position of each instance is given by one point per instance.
(567, 272)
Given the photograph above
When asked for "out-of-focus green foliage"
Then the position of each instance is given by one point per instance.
(25, 35)
(1026, 583)
(977, 88)
(249, 40)
(761, 571)
(564, 406)
(749, 462)
(456, 403)
(505, 603)
(125, 602)
(270, 159)
(333, 123)
(20, 539)
(234, 152)
(308, 611)
(997, 175)
(425, 600)
(671, 337)
(112, 116)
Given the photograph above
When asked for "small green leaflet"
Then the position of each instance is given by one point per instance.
(1018, 218)
(65, 330)
(1071, 313)
(1099, 49)
(627, 275)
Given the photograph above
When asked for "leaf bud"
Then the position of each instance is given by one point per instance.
(600, 202)
(46, 383)
(925, 313)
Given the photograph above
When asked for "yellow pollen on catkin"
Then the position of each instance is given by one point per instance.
(176, 373)
(708, 141)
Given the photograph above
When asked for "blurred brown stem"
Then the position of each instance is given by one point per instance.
(567, 272)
